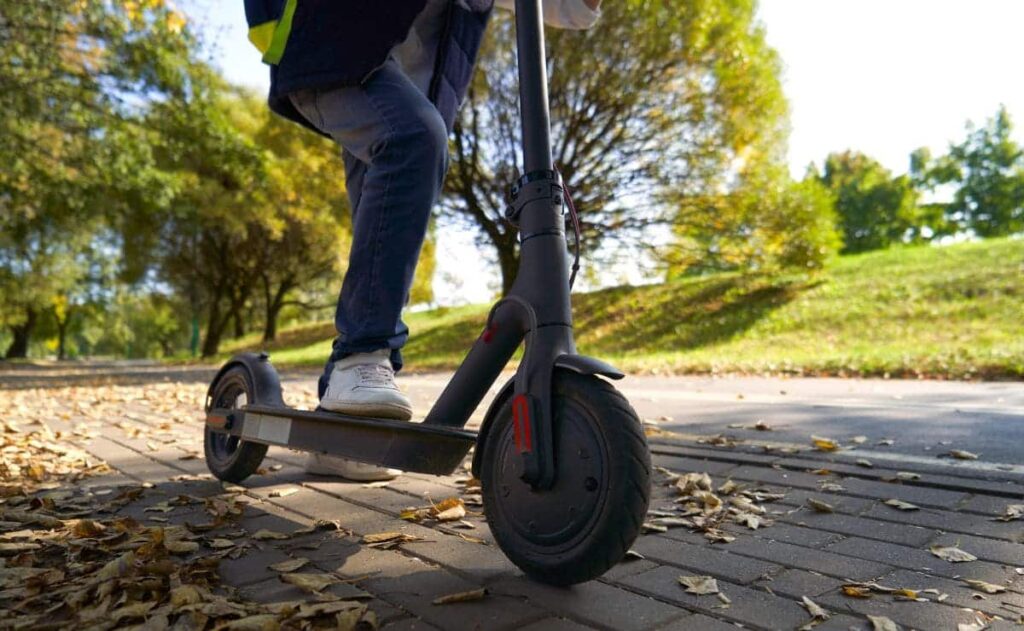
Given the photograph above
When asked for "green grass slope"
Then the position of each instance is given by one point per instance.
(952, 312)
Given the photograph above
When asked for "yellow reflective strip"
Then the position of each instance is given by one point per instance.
(262, 35)
(284, 28)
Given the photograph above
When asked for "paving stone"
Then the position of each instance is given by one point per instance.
(991, 504)
(1003, 552)
(920, 559)
(960, 593)
(699, 622)
(749, 606)
(711, 560)
(922, 496)
(779, 477)
(950, 522)
(659, 448)
(798, 583)
(251, 567)
(408, 624)
(415, 592)
(809, 537)
(858, 526)
(594, 603)
(825, 562)
(628, 568)
(841, 503)
(275, 591)
(555, 624)
(912, 615)
(684, 465)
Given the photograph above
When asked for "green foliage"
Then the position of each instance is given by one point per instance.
(657, 101)
(767, 222)
(950, 311)
(875, 209)
(988, 170)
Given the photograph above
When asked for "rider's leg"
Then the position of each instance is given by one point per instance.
(396, 156)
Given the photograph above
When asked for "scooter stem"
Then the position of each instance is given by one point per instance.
(533, 86)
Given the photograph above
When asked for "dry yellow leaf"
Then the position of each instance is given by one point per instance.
(461, 597)
(699, 584)
(952, 554)
(314, 582)
(819, 506)
(265, 535)
(824, 444)
(290, 565)
(982, 586)
(855, 591)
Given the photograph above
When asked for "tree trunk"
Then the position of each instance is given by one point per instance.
(508, 259)
(22, 336)
(239, 323)
(62, 336)
(214, 330)
(273, 306)
(270, 327)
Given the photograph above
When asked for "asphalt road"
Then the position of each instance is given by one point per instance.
(923, 419)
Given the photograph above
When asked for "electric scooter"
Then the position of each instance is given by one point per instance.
(561, 455)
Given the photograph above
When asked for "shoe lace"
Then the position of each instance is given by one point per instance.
(375, 375)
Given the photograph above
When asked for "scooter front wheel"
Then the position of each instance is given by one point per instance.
(229, 457)
(585, 523)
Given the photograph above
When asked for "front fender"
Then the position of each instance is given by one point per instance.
(265, 382)
(577, 363)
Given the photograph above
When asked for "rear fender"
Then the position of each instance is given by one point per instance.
(266, 384)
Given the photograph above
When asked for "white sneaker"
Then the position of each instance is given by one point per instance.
(323, 464)
(364, 385)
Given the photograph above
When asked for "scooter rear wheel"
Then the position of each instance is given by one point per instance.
(586, 522)
(228, 457)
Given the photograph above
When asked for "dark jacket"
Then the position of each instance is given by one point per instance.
(334, 43)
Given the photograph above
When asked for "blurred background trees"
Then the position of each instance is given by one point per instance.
(150, 209)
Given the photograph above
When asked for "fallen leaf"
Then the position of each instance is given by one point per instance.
(314, 582)
(265, 535)
(881, 623)
(633, 555)
(461, 597)
(982, 586)
(960, 454)
(907, 475)
(861, 462)
(859, 440)
(817, 613)
(455, 513)
(291, 565)
(699, 584)
(856, 591)
(824, 444)
(900, 504)
(952, 554)
(284, 492)
(819, 506)
(1013, 512)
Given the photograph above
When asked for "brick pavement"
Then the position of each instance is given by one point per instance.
(764, 572)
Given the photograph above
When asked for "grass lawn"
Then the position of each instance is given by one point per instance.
(953, 312)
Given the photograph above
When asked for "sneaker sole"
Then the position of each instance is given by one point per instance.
(370, 410)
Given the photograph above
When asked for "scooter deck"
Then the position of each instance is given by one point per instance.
(397, 444)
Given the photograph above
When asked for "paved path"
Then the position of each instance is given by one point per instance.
(150, 431)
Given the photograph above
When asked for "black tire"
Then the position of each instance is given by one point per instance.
(588, 520)
(228, 457)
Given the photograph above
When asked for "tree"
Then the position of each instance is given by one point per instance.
(875, 209)
(657, 101)
(988, 168)
(766, 222)
(71, 74)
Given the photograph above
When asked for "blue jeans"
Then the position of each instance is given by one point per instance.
(395, 148)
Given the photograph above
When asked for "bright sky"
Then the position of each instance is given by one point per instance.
(879, 76)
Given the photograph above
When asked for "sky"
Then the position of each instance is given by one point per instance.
(879, 76)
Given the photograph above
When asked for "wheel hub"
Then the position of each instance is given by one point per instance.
(558, 515)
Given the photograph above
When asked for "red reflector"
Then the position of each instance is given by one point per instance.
(488, 334)
(521, 423)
